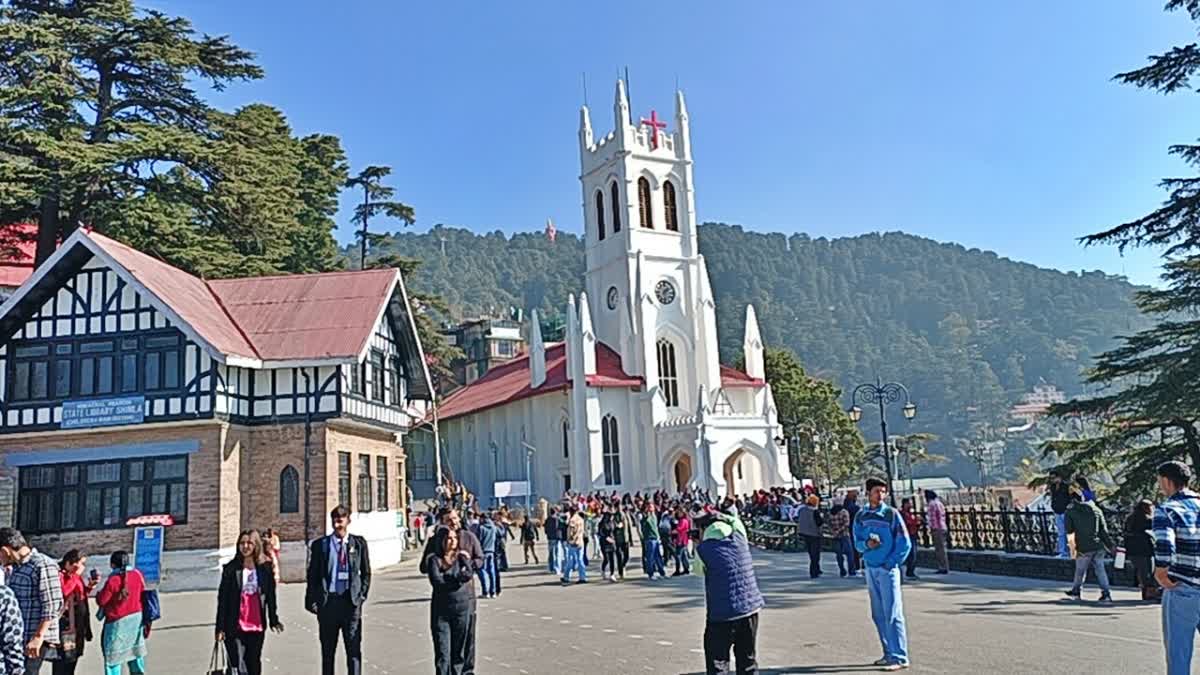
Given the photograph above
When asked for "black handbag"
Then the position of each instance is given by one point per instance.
(217, 664)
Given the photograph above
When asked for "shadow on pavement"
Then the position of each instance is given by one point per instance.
(830, 668)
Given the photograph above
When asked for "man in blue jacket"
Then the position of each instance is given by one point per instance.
(731, 596)
(882, 539)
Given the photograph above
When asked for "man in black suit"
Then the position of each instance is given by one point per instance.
(467, 543)
(339, 577)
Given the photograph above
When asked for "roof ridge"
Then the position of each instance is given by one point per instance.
(233, 320)
(308, 275)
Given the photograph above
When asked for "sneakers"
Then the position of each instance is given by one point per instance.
(1105, 599)
(883, 662)
(893, 667)
(1073, 594)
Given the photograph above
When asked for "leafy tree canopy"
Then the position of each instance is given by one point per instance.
(101, 125)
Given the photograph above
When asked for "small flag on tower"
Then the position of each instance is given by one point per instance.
(551, 231)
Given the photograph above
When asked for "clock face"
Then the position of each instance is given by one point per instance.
(665, 292)
(613, 296)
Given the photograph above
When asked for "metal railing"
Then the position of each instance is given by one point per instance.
(1031, 532)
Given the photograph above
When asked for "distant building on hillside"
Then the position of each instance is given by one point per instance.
(1035, 404)
(486, 342)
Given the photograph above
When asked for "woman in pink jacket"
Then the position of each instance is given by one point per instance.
(681, 537)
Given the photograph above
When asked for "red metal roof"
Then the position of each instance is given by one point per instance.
(510, 381)
(186, 295)
(307, 316)
(15, 269)
(297, 317)
(732, 378)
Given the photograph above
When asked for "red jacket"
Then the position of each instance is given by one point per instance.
(682, 528)
(108, 599)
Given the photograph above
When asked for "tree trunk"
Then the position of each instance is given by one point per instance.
(1192, 442)
(48, 230)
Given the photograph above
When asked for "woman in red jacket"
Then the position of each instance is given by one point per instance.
(75, 625)
(123, 639)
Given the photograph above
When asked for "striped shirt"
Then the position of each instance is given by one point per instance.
(1177, 537)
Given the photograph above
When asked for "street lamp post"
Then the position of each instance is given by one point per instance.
(529, 450)
(881, 395)
(495, 469)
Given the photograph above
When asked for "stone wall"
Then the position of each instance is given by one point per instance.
(1022, 565)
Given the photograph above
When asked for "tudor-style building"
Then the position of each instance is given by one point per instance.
(129, 387)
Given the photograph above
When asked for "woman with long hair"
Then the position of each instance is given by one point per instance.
(453, 604)
(75, 626)
(606, 531)
(123, 638)
(273, 548)
(246, 604)
(1139, 547)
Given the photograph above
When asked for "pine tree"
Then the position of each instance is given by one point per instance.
(377, 200)
(96, 101)
(1149, 411)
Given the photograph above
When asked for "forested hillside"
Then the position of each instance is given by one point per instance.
(966, 330)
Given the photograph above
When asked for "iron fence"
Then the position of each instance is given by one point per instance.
(1032, 532)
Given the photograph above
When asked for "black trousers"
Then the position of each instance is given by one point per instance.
(910, 563)
(64, 667)
(741, 635)
(340, 616)
(450, 633)
(469, 649)
(609, 560)
(622, 557)
(244, 651)
(813, 544)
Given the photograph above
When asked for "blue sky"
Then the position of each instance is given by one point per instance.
(995, 125)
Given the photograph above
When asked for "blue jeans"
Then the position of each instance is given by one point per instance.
(1180, 621)
(887, 611)
(682, 564)
(654, 559)
(1060, 524)
(488, 574)
(842, 549)
(574, 562)
(554, 556)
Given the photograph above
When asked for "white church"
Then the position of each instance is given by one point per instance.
(635, 398)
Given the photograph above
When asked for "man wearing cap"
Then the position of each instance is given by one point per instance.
(731, 596)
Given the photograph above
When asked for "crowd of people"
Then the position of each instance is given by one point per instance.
(46, 610)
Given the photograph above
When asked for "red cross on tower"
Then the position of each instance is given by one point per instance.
(654, 125)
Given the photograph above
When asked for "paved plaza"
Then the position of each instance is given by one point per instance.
(957, 624)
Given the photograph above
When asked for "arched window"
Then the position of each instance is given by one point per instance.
(668, 375)
(612, 450)
(600, 213)
(566, 439)
(616, 210)
(644, 203)
(289, 490)
(669, 211)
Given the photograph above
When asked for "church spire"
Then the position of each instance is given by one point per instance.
(537, 352)
(621, 124)
(585, 128)
(587, 336)
(752, 346)
(683, 133)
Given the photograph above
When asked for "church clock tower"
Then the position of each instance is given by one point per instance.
(649, 289)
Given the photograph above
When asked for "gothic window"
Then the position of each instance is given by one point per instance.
(644, 203)
(616, 211)
(566, 439)
(669, 210)
(600, 213)
(289, 490)
(612, 450)
(668, 376)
